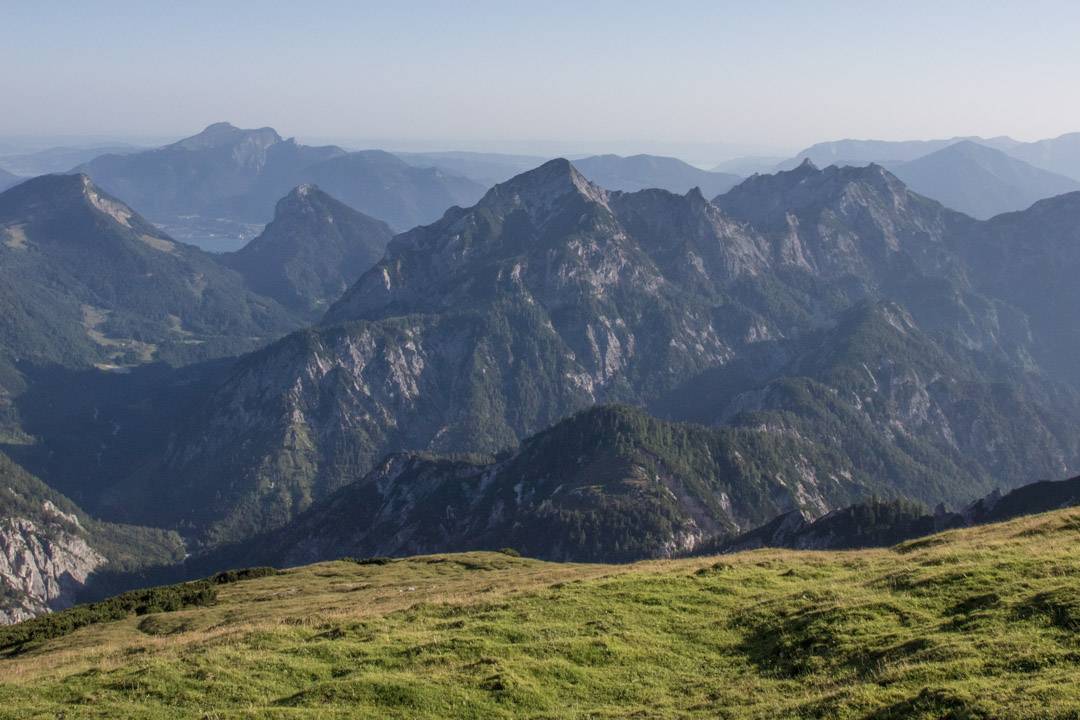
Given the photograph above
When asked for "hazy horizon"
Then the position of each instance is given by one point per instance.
(700, 79)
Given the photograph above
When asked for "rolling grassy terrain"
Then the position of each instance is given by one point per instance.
(976, 623)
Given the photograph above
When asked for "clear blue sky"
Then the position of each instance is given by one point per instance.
(495, 75)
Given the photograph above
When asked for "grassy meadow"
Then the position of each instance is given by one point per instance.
(975, 623)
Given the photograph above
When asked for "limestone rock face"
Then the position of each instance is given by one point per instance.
(50, 550)
(42, 565)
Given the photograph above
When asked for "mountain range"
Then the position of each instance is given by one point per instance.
(862, 152)
(613, 484)
(89, 288)
(217, 188)
(834, 335)
(87, 279)
(980, 181)
(609, 483)
(834, 307)
(1059, 155)
(233, 175)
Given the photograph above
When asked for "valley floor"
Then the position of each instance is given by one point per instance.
(978, 623)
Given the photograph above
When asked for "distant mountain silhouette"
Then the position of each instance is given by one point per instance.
(748, 165)
(485, 168)
(234, 175)
(59, 159)
(640, 172)
(862, 152)
(980, 180)
(1060, 154)
(383, 186)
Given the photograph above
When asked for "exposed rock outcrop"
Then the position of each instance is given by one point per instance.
(42, 566)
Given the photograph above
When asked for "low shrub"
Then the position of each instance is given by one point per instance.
(15, 639)
(369, 560)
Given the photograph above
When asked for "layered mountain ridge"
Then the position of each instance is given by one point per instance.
(231, 176)
(981, 181)
(643, 172)
(981, 177)
(830, 305)
(613, 484)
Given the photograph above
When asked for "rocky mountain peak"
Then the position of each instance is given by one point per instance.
(223, 134)
(313, 249)
(767, 199)
(300, 197)
(695, 196)
(843, 220)
(540, 218)
(543, 187)
(248, 148)
(49, 195)
(73, 184)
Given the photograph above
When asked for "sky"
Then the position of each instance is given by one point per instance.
(705, 79)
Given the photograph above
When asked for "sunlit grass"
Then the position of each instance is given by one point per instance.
(980, 623)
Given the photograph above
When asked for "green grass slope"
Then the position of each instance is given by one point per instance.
(979, 623)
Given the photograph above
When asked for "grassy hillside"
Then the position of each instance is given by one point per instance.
(980, 623)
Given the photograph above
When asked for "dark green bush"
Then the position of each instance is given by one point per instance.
(168, 598)
(165, 598)
(369, 560)
(230, 576)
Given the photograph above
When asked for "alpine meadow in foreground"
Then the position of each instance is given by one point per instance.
(976, 623)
